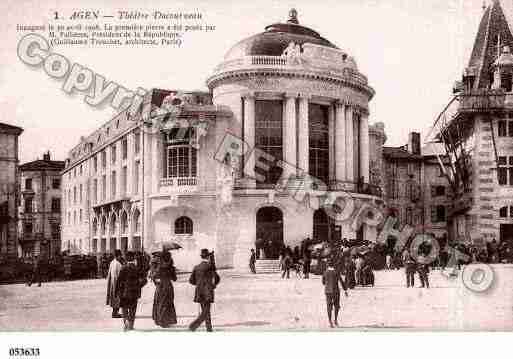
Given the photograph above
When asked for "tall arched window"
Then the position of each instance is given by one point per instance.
(136, 221)
(318, 142)
(95, 227)
(183, 225)
(103, 226)
(112, 227)
(124, 223)
(269, 139)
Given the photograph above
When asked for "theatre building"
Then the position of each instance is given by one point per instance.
(208, 169)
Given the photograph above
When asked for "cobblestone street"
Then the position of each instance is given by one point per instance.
(266, 302)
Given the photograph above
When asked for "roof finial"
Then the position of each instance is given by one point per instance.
(293, 17)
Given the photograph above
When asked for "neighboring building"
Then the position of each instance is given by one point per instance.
(479, 137)
(9, 184)
(286, 99)
(416, 192)
(40, 207)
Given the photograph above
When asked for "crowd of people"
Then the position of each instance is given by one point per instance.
(129, 274)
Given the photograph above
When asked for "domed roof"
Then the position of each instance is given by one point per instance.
(275, 39)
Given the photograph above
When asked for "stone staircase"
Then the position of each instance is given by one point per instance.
(267, 266)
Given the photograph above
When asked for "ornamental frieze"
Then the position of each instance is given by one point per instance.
(343, 94)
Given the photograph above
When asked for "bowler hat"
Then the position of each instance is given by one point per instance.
(204, 253)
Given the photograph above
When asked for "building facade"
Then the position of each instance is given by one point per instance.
(269, 157)
(40, 207)
(9, 194)
(417, 193)
(479, 139)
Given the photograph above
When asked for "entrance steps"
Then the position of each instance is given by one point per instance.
(267, 266)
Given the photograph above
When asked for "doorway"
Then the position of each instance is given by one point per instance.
(269, 232)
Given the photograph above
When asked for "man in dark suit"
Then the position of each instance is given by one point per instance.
(330, 279)
(128, 289)
(205, 278)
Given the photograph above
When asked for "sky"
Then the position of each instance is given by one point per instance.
(412, 51)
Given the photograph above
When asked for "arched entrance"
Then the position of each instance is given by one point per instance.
(269, 232)
(324, 228)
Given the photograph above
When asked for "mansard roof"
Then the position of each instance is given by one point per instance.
(493, 28)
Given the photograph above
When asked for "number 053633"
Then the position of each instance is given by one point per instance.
(23, 352)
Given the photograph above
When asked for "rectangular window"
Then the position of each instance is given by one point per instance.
(502, 128)
(55, 230)
(104, 159)
(124, 148)
(28, 184)
(113, 154)
(28, 228)
(80, 216)
(81, 188)
(136, 177)
(56, 205)
(510, 128)
(95, 190)
(318, 140)
(269, 139)
(28, 205)
(113, 184)
(95, 164)
(81, 170)
(123, 180)
(56, 183)
(104, 187)
(137, 141)
(502, 174)
(74, 195)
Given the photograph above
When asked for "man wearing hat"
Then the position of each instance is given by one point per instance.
(330, 279)
(205, 278)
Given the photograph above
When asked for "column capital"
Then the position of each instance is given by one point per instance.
(249, 94)
(305, 96)
(291, 95)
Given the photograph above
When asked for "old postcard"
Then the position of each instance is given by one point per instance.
(255, 166)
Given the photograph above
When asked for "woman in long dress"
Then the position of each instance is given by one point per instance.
(164, 313)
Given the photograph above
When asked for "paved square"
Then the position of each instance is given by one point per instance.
(266, 302)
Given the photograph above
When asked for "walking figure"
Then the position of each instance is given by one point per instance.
(112, 278)
(423, 269)
(128, 289)
(252, 261)
(206, 279)
(330, 279)
(409, 268)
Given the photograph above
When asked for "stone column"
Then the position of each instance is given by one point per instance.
(303, 143)
(340, 143)
(349, 144)
(364, 147)
(249, 136)
(156, 160)
(331, 143)
(290, 132)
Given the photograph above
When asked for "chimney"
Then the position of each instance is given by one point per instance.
(414, 143)
(46, 156)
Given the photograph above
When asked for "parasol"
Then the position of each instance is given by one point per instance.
(165, 246)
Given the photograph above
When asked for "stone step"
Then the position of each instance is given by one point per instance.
(267, 266)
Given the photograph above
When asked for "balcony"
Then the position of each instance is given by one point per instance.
(327, 65)
(294, 184)
(485, 101)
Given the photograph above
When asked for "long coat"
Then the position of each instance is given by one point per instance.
(205, 278)
(112, 279)
(129, 284)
